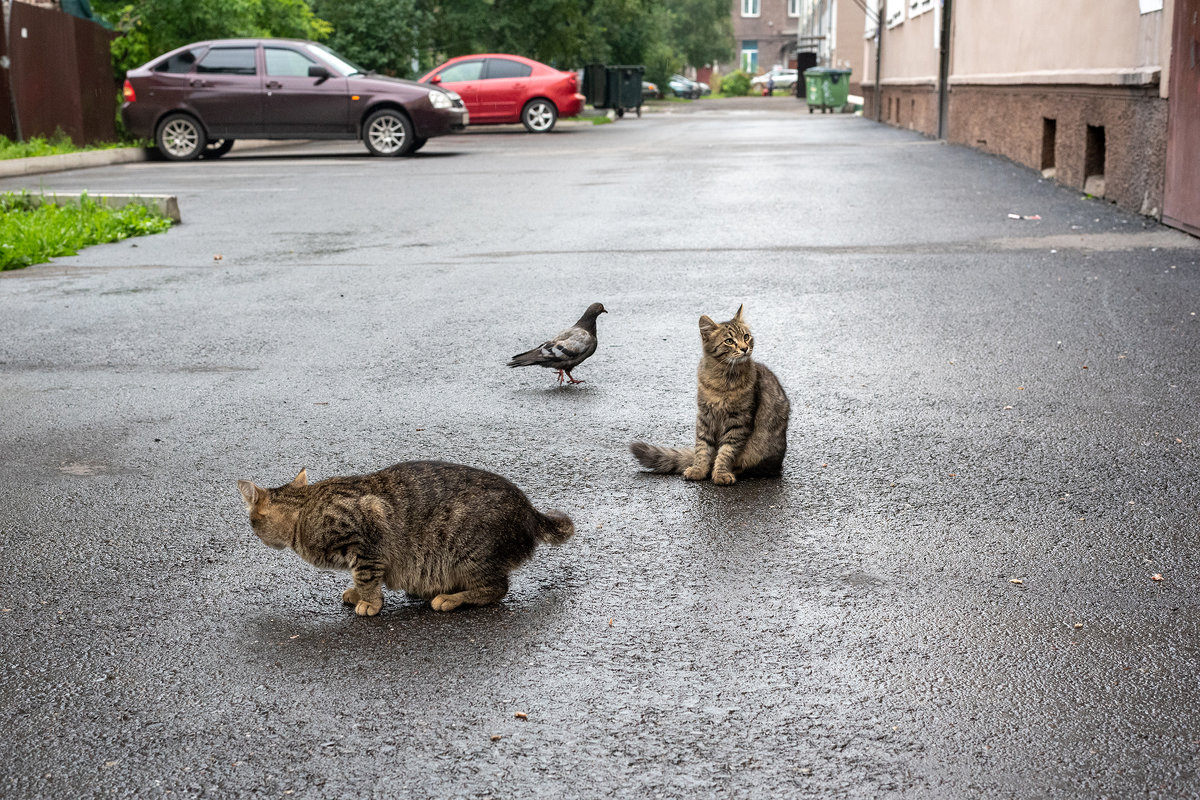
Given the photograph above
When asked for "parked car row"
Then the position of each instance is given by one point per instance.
(783, 78)
(198, 99)
(686, 87)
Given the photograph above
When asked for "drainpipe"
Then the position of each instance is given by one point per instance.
(878, 62)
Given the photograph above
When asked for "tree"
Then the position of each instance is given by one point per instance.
(151, 27)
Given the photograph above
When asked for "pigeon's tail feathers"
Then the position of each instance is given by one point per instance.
(663, 460)
(529, 358)
(555, 528)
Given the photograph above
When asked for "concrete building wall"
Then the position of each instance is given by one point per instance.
(1074, 87)
(773, 30)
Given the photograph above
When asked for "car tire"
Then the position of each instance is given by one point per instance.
(418, 143)
(387, 132)
(539, 115)
(180, 138)
(217, 148)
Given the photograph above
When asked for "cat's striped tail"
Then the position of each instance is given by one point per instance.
(663, 460)
(556, 527)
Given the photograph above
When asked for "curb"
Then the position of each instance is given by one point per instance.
(14, 167)
(165, 204)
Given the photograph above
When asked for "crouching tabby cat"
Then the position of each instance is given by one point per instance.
(741, 413)
(434, 530)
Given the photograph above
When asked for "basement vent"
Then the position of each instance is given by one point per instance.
(1093, 161)
(1049, 134)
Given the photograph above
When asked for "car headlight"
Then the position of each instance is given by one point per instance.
(439, 99)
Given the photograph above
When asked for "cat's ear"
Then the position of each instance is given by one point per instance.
(251, 494)
(707, 326)
(301, 479)
(738, 316)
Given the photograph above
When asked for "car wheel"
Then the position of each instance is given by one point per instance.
(180, 138)
(539, 116)
(217, 148)
(387, 132)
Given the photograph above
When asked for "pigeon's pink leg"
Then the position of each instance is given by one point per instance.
(572, 380)
(560, 377)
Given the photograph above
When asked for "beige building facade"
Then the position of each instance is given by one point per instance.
(1080, 89)
(832, 31)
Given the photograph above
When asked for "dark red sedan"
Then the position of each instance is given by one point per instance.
(198, 99)
(503, 88)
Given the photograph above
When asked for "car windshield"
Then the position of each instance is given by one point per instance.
(343, 67)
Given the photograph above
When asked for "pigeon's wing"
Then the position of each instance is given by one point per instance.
(572, 346)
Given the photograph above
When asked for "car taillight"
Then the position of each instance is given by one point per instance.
(128, 93)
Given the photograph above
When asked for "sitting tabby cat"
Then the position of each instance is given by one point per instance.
(741, 414)
(435, 530)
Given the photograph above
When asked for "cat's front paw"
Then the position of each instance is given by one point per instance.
(369, 608)
(351, 597)
(445, 602)
(723, 478)
(694, 474)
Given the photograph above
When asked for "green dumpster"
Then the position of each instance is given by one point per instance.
(625, 89)
(826, 88)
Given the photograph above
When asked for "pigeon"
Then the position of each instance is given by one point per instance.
(566, 351)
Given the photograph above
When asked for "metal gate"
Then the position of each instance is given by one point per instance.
(1181, 191)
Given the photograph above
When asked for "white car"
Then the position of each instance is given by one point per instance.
(784, 78)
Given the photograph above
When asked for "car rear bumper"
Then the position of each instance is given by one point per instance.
(572, 106)
(139, 119)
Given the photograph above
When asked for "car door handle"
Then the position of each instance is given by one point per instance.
(274, 85)
(199, 82)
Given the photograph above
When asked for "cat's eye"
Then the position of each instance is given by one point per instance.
(746, 338)
(729, 341)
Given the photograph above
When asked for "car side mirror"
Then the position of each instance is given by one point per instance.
(436, 79)
(317, 71)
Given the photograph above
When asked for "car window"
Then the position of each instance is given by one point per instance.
(180, 62)
(462, 71)
(228, 61)
(503, 68)
(288, 63)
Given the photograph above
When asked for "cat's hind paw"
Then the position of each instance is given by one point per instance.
(724, 478)
(446, 602)
(694, 474)
(369, 608)
(351, 597)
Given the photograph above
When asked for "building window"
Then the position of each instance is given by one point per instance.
(916, 7)
(750, 57)
(894, 14)
(793, 8)
(750, 8)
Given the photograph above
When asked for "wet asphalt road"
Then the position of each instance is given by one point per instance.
(975, 400)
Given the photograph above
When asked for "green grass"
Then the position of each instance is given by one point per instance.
(31, 233)
(54, 146)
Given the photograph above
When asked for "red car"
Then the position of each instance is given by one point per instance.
(502, 88)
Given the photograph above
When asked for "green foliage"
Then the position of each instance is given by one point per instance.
(735, 84)
(383, 35)
(394, 36)
(152, 27)
(32, 232)
(57, 144)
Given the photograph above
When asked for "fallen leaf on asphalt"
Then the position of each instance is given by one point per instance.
(521, 715)
(1078, 625)
(610, 622)
(1178, 441)
(496, 738)
(1008, 408)
(297, 636)
(1017, 581)
(1156, 577)
(218, 257)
